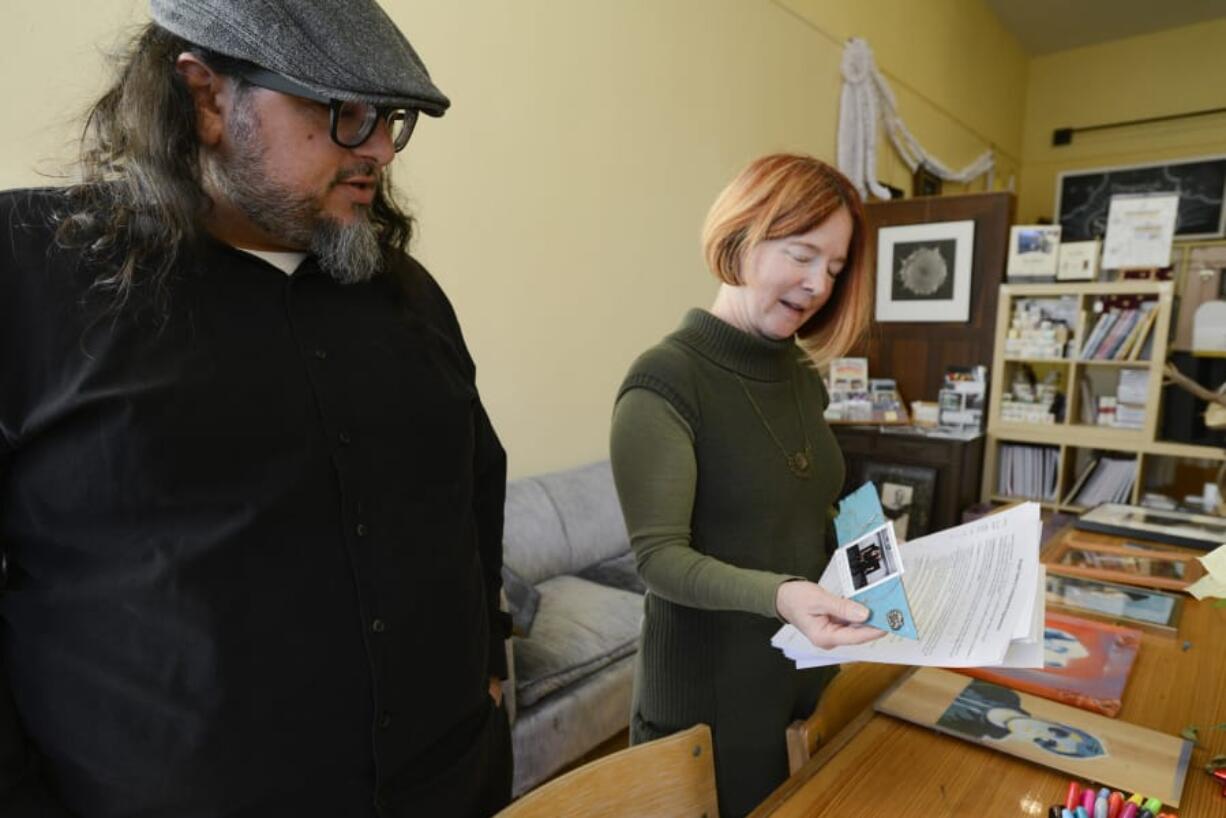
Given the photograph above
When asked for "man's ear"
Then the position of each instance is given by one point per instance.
(206, 88)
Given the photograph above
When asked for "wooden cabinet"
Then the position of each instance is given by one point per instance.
(957, 464)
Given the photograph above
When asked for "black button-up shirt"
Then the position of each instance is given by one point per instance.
(252, 550)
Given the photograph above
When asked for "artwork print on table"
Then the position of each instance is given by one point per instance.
(985, 710)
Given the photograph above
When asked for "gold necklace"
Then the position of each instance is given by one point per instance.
(799, 462)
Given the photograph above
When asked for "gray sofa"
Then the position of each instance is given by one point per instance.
(565, 546)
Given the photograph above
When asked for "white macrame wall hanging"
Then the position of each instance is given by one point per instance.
(866, 100)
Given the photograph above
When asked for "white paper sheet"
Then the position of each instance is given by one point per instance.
(968, 586)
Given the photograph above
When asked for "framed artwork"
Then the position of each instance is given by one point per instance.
(1140, 229)
(924, 271)
(1142, 607)
(1033, 250)
(1084, 745)
(1078, 260)
(1201, 531)
(906, 494)
(1129, 563)
(1085, 664)
(1084, 196)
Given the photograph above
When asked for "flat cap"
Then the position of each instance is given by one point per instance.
(345, 49)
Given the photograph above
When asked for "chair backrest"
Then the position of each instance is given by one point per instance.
(852, 691)
(673, 776)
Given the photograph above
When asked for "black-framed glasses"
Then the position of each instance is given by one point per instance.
(350, 123)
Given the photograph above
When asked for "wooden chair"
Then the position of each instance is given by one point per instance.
(672, 776)
(850, 693)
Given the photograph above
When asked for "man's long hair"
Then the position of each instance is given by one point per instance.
(139, 199)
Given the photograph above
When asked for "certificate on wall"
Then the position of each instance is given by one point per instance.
(1140, 229)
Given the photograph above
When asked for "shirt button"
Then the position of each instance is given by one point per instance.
(385, 720)
(378, 626)
(321, 354)
(344, 438)
(360, 529)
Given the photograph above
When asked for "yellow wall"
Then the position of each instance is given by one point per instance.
(560, 200)
(1173, 71)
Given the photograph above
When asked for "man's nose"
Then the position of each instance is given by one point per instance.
(378, 147)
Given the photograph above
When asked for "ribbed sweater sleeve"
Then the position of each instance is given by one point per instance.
(652, 449)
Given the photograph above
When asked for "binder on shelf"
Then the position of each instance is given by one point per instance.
(1101, 327)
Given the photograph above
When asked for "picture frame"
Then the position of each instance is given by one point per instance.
(1033, 252)
(1078, 260)
(1084, 196)
(906, 493)
(1201, 531)
(1140, 231)
(1145, 608)
(924, 271)
(1129, 563)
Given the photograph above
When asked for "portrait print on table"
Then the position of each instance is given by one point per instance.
(1084, 196)
(1082, 744)
(1086, 664)
(924, 271)
(906, 494)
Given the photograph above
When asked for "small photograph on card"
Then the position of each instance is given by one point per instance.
(870, 560)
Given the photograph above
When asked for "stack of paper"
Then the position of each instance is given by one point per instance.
(975, 594)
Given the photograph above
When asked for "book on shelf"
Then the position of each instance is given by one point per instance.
(1142, 349)
(1144, 316)
(1027, 471)
(1101, 328)
(1115, 339)
(1085, 664)
(1089, 410)
(1107, 480)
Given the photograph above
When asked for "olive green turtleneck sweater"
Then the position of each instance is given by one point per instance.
(701, 431)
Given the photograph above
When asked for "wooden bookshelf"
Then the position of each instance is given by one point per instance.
(1073, 439)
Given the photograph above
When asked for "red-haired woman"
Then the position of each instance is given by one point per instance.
(727, 472)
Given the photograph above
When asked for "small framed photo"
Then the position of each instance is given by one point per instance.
(924, 271)
(1033, 250)
(1129, 563)
(869, 561)
(1201, 531)
(1143, 607)
(906, 494)
(1078, 260)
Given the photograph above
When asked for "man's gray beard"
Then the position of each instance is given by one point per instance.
(350, 253)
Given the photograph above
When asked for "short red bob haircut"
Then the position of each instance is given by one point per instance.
(784, 195)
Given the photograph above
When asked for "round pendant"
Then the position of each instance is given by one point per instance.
(799, 464)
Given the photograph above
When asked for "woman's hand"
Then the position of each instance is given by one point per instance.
(826, 620)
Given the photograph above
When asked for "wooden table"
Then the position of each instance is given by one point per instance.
(880, 766)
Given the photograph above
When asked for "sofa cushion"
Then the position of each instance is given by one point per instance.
(533, 541)
(618, 572)
(580, 628)
(586, 501)
(522, 599)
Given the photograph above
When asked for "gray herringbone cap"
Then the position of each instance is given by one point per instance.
(346, 49)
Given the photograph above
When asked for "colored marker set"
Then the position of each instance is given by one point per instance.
(1105, 803)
